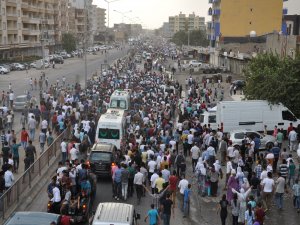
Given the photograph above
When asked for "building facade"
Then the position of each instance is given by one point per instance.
(182, 22)
(26, 24)
(236, 18)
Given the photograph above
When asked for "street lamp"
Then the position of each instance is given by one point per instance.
(123, 14)
(108, 2)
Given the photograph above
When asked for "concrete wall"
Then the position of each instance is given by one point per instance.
(282, 45)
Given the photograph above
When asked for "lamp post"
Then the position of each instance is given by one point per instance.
(123, 14)
(252, 34)
(84, 44)
(108, 2)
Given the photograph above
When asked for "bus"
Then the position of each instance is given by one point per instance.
(111, 127)
(120, 99)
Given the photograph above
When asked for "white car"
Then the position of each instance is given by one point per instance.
(3, 70)
(194, 63)
(237, 137)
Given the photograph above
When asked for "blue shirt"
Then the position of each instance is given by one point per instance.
(275, 151)
(186, 194)
(256, 143)
(152, 214)
(118, 175)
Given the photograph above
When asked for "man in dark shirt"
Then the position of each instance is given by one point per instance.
(166, 206)
(276, 152)
(30, 151)
(5, 151)
(255, 183)
(2, 183)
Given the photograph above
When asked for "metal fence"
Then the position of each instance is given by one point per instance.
(22, 187)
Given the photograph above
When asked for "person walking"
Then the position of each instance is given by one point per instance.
(124, 181)
(31, 152)
(63, 148)
(296, 193)
(138, 181)
(249, 215)
(280, 188)
(186, 200)
(15, 154)
(268, 187)
(235, 206)
(9, 177)
(293, 139)
(195, 150)
(153, 216)
(222, 208)
(167, 206)
(32, 127)
(42, 140)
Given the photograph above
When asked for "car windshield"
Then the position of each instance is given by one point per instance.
(239, 135)
(21, 99)
(101, 156)
(109, 133)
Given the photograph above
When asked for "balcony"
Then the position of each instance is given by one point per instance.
(210, 11)
(284, 11)
(12, 31)
(209, 25)
(216, 12)
(11, 16)
(27, 31)
(12, 3)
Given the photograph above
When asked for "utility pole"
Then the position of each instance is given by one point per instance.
(84, 44)
(44, 35)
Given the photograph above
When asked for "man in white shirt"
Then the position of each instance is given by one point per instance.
(166, 174)
(31, 127)
(138, 181)
(153, 178)
(268, 185)
(9, 177)
(151, 167)
(293, 140)
(183, 184)
(44, 126)
(11, 99)
(56, 199)
(63, 147)
(74, 153)
(195, 150)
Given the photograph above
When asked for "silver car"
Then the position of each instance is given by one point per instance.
(20, 102)
(237, 136)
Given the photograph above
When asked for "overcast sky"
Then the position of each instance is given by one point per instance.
(153, 13)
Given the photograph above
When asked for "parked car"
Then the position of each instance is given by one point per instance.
(194, 63)
(20, 102)
(58, 60)
(18, 66)
(33, 218)
(3, 70)
(240, 84)
(237, 137)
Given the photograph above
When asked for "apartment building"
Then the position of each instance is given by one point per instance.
(182, 22)
(236, 18)
(26, 24)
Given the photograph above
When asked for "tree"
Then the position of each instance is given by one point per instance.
(275, 79)
(68, 42)
(197, 38)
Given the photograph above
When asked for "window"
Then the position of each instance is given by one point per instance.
(212, 119)
(3, 11)
(287, 115)
(101, 156)
(239, 135)
(105, 133)
(4, 26)
(118, 104)
(201, 118)
(253, 135)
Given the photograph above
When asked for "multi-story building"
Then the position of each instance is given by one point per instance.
(236, 18)
(26, 24)
(182, 22)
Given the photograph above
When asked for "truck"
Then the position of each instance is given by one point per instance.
(249, 114)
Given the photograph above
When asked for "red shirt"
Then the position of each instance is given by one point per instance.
(24, 135)
(260, 215)
(65, 220)
(172, 183)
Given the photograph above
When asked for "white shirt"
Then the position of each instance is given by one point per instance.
(228, 167)
(173, 144)
(230, 150)
(190, 138)
(263, 175)
(151, 165)
(11, 96)
(149, 153)
(138, 178)
(183, 184)
(165, 174)
(153, 179)
(44, 124)
(63, 146)
(56, 195)
(11, 162)
(73, 153)
(195, 150)
(268, 184)
(9, 178)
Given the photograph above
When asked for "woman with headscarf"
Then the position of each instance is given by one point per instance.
(232, 183)
(201, 173)
(245, 184)
(242, 198)
(240, 176)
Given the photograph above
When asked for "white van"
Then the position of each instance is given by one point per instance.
(111, 127)
(254, 115)
(120, 99)
(116, 214)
